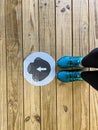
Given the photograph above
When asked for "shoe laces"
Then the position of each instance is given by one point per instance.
(74, 75)
(75, 61)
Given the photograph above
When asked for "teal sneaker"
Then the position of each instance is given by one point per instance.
(70, 61)
(69, 76)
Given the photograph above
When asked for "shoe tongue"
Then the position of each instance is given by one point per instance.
(91, 77)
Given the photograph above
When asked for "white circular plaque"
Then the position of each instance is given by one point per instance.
(39, 68)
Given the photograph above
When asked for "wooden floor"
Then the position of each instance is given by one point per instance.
(59, 27)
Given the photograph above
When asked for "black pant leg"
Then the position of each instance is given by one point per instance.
(91, 77)
(91, 60)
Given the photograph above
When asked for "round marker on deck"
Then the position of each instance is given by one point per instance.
(39, 68)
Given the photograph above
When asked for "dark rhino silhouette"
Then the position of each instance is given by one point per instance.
(39, 69)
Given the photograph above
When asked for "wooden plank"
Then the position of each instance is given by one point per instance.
(47, 44)
(31, 44)
(93, 42)
(80, 47)
(14, 64)
(64, 47)
(3, 101)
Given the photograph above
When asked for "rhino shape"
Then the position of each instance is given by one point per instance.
(39, 69)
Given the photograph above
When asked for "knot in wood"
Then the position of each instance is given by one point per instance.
(65, 108)
(27, 118)
(37, 118)
(63, 10)
(68, 7)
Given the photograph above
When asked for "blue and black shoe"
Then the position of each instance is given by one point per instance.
(69, 76)
(70, 61)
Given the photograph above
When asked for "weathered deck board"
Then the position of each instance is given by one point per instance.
(80, 48)
(93, 43)
(47, 44)
(64, 47)
(58, 27)
(14, 64)
(3, 93)
(30, 45)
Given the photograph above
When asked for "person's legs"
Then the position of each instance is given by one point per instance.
(91, 60)
(91, 77)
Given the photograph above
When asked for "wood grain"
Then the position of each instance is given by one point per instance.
(57, 27)
(80, 48)
(3, 92)
(47, 44)
(64, 47)
(14, 64)
(93, 43)
(30, 45)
